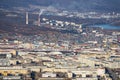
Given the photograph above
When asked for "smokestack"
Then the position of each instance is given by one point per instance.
(39, 20)
(40, 13)
(26, 17)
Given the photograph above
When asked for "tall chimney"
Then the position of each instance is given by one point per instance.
(40, 13)
(26, 17)
(39, 20)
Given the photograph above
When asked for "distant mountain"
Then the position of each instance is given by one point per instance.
(77, 5)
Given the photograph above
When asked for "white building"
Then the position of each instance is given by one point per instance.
(48, 74)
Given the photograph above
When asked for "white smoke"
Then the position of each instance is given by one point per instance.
(41, 11)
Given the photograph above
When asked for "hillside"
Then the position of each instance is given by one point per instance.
(77, 5)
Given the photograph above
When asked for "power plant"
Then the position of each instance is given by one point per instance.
(38, 21)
